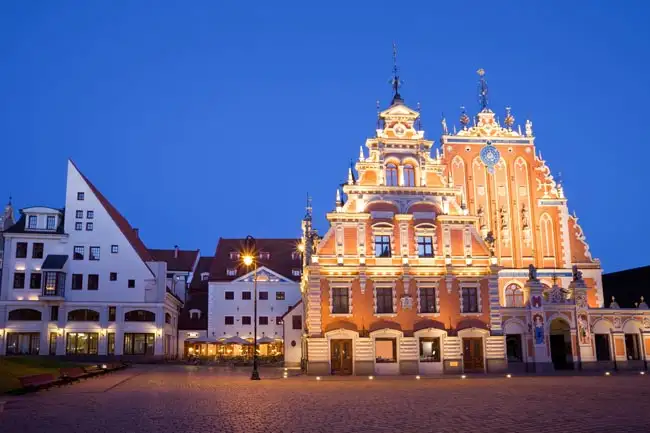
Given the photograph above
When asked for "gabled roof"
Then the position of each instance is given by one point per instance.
(20, 225)
(177, 260)
(281, 258)
(292, 308)
(202, 267)
(197, 299)
(129, 233)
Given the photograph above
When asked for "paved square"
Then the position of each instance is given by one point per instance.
(178, 399)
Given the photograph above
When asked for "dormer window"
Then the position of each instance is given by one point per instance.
(81, 196)
(51, 222)
(231, 272)
(295, 272)
(195, 314)
(234, 255)
(391, 175)
(264, 255)
(295, 255)
(32, 222)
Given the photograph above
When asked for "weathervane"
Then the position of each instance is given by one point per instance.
(482, 90)
(395, 81)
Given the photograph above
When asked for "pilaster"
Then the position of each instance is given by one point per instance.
(496, 325)
(535, 306)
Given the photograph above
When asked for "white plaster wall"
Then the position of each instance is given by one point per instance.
(293, 353)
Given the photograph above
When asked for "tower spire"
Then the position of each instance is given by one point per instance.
(395, 82)
(482, 90)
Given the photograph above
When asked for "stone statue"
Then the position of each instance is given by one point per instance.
(577, 274)
(529, 128)
(532, 273)
(444, 126)
(524, 216)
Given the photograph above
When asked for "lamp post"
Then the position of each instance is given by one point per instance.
(249, 259)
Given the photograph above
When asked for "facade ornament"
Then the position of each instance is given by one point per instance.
(350, 177)
(361, 155)
(464, 118)
(339, 202)
(614, 304)
(407, 302)
(527, 232)
(505, 224)
(646, 322)
(532, 273)
(529, 128)
(583, 329)
(444, 125)
(482, 90)
(617, 322)
(643, 305)
(581, 300)
(490, 240)
(509, 120)
(577, 274)
(538, 321)
(481, 221)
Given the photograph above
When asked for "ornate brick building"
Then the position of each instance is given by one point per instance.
(462, 257)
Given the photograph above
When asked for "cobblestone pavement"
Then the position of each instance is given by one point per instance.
(178, 399)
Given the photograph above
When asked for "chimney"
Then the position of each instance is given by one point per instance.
(136, 231)
(175, 251)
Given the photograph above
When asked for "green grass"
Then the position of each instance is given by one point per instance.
(13, 367)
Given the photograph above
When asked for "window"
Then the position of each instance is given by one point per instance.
(25, 314)
(80, 196)
(230, 295)
(82, 343)
(514, 296)
(382, 246)
(195, 314)
(32, 222)
(340, 300)
(246, 296)
(229, 320)
(278, 320)
(83, 315)
(427, 300)
(514, 348)
(139, 344)
(112, 313)
(35, 280)
(425, 246)
(50, 222)
(279, 296)
(94, 253)
(246, 320)
(139, 316)
(131, 284)
(295, 272)
(470, 300)
(78, 226)
(391, 175)
(93, 282)
(89, 227)
(77, 281)
(78, 253)
(385, 350)
(37, 250)
(429, 349)
(90, 214)
(384, 300)
(409, 175)
(79, 214)
(234, 255)
(113, 276)
(632, 347)
(114, 249)
(264, 320)
(23, 343)
(265, 255)
(111, 343)
(21, 250)
(264, 296)
(296, 322)
(19, 280)
(53, 337)
(54, 313)
(231, 272)
(168, 318)
(295, 255)
(602, 347)
(205, 276)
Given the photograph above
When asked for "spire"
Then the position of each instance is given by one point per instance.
(395, 82)
(7, 218)
(350, 176)
(339, 202)
(308, 209)
(482, 90)
(361, 156)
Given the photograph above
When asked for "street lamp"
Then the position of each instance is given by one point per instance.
(248, 258)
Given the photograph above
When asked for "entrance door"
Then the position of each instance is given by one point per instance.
(341, 356)
(473, 354)
(558, 352)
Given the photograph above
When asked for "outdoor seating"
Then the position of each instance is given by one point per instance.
(72, 373)
(38, 381)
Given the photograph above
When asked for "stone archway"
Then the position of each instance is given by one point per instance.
(560, 342)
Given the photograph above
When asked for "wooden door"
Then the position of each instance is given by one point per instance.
(473, 354)
(341, 356)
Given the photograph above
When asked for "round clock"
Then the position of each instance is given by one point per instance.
(490, 156)
(399, 130)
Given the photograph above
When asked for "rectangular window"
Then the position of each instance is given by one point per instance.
(429, 349)
(94, 253)
(37, 250)
(77, 281)
(78, 226)
(90, 214)
(229, 320)
(265, 256)
(246, 296)
(54, 313)
(234, 255)
(340, 300)
(278, 320)
(230, 295)
(113, 276)
(632, 347)
(385, 350)
(231, 272)
(382, 246)
(81, 196)
(35, 280)
(264, 320)
(23, 343)
(79, 214)
(264, 296)
(384, 300)
(131, 284)
(81, 343)
(602, 347)
(52, 343)
(425, 246)
(470, 300)
(427, 300)
(246, 320)
(51, 221)
(78, 253)
(19, 280)
(21, 250)
(139, 344)
(112, 312)
(93, 281)
(279, 296)
(296, 322)
(114, 249)
(514, 348)
(32, 222)
(89, 227)
(111, 343)
(295, 272)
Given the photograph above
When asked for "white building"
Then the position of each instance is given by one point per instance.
(292, 321)
(80, 281)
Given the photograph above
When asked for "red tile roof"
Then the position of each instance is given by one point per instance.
(183, 261)
(204, 266)
(281, 258)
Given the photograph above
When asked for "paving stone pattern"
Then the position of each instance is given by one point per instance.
(179, 399)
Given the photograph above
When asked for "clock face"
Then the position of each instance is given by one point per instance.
(490, 156)
(399, 130)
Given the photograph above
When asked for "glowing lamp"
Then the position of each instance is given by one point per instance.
(248, 260)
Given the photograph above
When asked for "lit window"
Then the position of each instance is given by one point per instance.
(80, 196)
(409, 175)
(79, 214)
(425, 246)
(295, 272)
(382, 246)
(78, 226)
(94, 253)
(114, 249)
(514, 296)
(90, 214)
(278, 320)
(429, 349)
(32, 222)
(51, 221)
(234, 255)
(231, 272)
(89, 227)
(279, 296)
(265, 256)
(391, 175)
(385, 350)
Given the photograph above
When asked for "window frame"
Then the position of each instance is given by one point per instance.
(469, 294)
(79, 214)
(380, 243)
(424, 293)
(115, 249)
(21, 250)
(228, 320)
(296, 319)
(89, 226)
(130, 284)
(78, 226)
(385, 360)
(340, 300)
(385, 295)
(18, 277)
(95, 278)
(392, 178)
(424, 242)
(514, 296)
(436, 343)
(31, 280)
(280, 295)
(78, 249)
(51, 218)
(41, 250)
(92, 256)
(602, 342)
(81, 196)
(264, 319)
(90, 214)
(263, 296)
(229, 295)
(112, 276)
(31, 218)
(246, 320)
(246, 295)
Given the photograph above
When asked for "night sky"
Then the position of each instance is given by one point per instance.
(207, 119)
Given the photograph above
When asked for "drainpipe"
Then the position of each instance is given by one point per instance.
(611, 333)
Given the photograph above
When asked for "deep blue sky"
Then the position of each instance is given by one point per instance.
(207, 119)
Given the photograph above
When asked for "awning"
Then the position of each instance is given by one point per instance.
(54, 262)
(265, 340)
(237, 340)
(202, 341)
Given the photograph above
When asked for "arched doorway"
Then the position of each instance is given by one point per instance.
(560, 338)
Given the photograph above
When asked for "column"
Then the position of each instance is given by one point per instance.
(585, 351)
(119, 330)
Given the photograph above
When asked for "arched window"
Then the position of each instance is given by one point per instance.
(25, 314)
(139, 316)
(514, 296)
(83, 315)
(168, 318)
(409, 175)
(391, 174)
